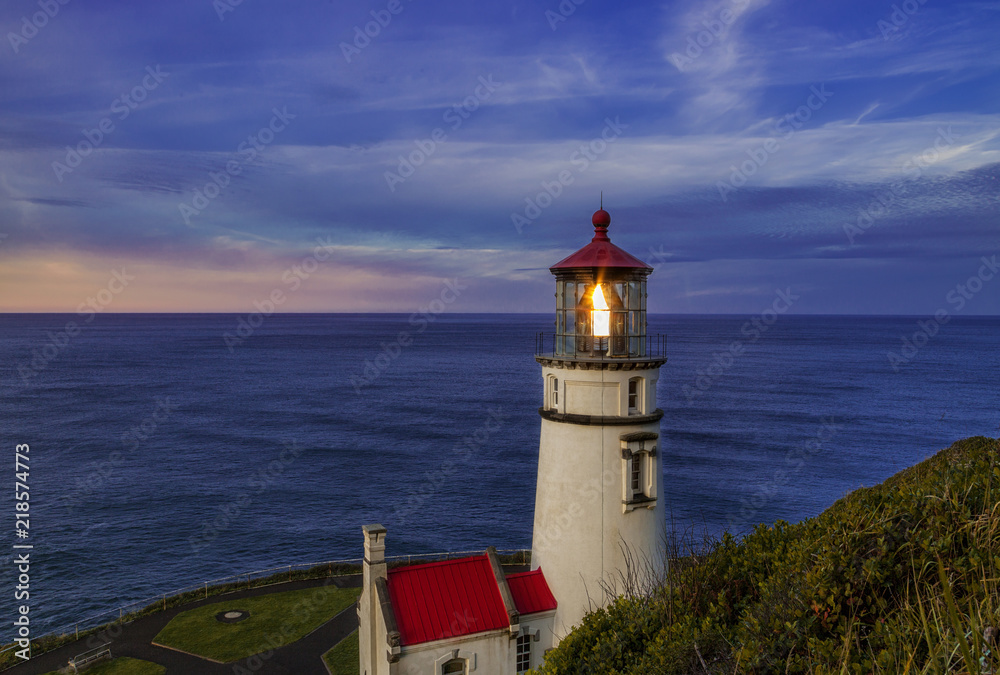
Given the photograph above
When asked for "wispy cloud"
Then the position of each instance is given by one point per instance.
(691, 123)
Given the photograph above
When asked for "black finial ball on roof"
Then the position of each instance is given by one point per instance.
(601, 218)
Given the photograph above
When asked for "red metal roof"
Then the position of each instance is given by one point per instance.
(446, 599)
(531, 592)
(600, 252)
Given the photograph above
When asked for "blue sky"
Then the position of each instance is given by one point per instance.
(847, 151)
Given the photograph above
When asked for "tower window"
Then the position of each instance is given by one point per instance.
(523, 662)
(554, 399)
(637, 462)
(639, 470)
(635, 396)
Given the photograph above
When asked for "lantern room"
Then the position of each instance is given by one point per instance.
(600, 300)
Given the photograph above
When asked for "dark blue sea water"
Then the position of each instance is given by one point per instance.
(160, 457)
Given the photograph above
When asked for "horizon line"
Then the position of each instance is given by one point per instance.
(333, 313)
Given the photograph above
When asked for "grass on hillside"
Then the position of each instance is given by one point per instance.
(120, 666)
(275, 620)
(344, 658)
(896, 578)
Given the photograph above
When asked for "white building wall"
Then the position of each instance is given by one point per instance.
(488, 653)
(491, 653)
(583, 534)
(382, 666)
(540, 625)
(366, 617)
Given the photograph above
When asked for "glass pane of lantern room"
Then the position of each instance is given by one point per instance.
(618, 323)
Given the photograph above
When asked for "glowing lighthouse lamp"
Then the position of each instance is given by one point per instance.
(601, 320)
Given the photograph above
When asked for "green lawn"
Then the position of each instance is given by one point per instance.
(343, 659)
(122, 666)
(275, 620)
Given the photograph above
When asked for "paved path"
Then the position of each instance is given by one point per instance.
(303, 657)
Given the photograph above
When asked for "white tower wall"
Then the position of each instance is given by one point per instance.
(592, 527)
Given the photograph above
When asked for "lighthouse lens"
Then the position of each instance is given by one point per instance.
(602, 317)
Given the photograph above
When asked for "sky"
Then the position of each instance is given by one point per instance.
(377, 155)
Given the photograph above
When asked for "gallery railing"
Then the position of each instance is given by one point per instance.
(612, 348)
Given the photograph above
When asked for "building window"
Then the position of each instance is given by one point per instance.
(523, 653)
(554, 399)
(635, 396)
(453, 666)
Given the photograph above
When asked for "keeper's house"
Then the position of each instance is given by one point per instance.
(451, 617)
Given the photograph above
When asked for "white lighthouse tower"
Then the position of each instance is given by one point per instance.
(599, 515)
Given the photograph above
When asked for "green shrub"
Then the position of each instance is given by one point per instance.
(858, 589)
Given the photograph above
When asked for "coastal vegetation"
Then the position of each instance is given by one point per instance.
(896, 578)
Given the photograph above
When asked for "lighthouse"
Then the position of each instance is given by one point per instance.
(599, 517)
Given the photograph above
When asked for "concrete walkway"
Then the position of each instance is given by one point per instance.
(134, 639)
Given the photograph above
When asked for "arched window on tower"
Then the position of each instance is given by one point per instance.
(639, 470)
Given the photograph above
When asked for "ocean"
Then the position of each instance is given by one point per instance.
(166, 450)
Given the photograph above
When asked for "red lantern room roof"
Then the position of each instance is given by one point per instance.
(600, 252)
